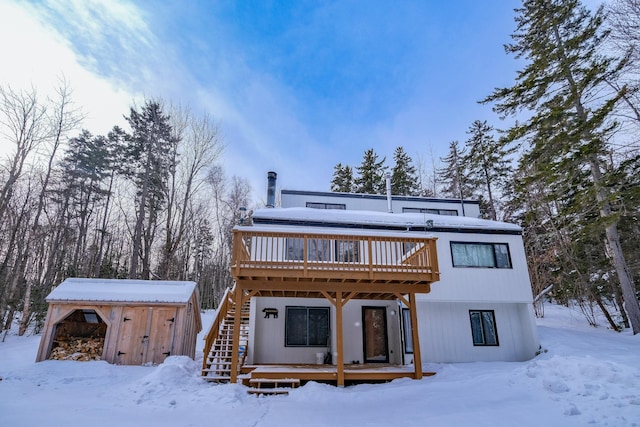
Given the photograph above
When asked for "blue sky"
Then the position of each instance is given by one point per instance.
(297, 86)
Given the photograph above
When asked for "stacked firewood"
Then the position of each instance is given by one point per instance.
(82, 349)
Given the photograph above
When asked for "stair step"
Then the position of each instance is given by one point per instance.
(268, 391)
(293, 382)
(215, 371)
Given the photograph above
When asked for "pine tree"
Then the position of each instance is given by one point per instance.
(454, 174)
(342, 181)
(488, 162)
(149, 151)
(87, 165)
(562, 86)
(371, 172)
(404, 180)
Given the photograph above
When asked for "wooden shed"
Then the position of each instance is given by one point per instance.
(125, 322)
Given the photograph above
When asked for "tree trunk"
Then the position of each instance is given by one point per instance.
(625, 278)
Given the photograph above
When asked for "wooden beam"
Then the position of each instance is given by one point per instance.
(358, 288)
(403, 299)
(417, 359)
(339, 338)
(329, 297)
(237, 318)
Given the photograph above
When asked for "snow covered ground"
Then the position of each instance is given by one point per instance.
(585, 377)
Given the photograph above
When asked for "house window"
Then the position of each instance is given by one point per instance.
(450, 212)
(295, 249)
(408, 335)
(317, 205)
(307, 326)
(483, 327)
(347, 250)
(317, 249)
(490, 255)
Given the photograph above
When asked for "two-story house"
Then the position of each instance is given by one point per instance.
(351, 287)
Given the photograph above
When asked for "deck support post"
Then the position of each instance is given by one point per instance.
(339, 338)
(237, 319)
(417, 359)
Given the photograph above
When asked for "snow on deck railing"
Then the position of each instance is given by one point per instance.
(314, 255)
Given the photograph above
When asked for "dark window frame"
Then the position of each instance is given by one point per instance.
(435, 211)
(294, 249)
(347, 250)
(496, 263)
(486, 340)
(407, 333)
(318, 250)
(322, 205)
(291, 341)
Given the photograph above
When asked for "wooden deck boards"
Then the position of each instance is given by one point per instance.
(352, 372)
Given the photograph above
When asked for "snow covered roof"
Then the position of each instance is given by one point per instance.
(379, 220)
(123, 290)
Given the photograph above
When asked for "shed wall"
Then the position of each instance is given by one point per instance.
(136, 334)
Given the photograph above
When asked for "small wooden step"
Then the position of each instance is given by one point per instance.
(216, 378)
(268, 391)
(272, 386)
(292, 382)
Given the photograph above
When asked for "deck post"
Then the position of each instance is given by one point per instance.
(417, 359)
(339, 338)
(237, 319)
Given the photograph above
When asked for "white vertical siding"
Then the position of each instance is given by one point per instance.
(267, 341)
(377, 203)
(481, 284)
(445, 333)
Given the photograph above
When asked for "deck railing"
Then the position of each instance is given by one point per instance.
(314, 256)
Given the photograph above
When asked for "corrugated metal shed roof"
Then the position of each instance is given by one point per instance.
(122, 290)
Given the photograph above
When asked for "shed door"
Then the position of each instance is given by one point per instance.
(132, 340)
(146, 335)
(161, 334)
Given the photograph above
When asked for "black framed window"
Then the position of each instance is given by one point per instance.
(449, 212)
(317, 249)
(318, 205)
(347, 250)
(489, 255)
(483, 327)
(295, 249)
(408, 335)
(306, 326)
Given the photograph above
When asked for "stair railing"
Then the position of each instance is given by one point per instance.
(223, 308)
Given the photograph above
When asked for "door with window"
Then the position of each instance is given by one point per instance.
(374, 331)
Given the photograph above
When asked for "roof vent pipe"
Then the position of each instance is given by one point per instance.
(271, 189)
(387, 177)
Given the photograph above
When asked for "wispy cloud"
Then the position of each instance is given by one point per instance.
(297, 87)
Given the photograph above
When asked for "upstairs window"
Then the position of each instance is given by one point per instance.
(450, 212)
(317, 249)
(347, 250)
(318, 205)
(307, 326)
(488, 255)
(483, 327)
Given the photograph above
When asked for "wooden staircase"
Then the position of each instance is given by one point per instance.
(218, 351)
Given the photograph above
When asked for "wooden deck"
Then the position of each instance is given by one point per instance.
(353, 373)
(308, 262)
(338, 266)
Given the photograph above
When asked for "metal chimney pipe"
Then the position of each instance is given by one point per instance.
(271, 189)
(387, 177)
